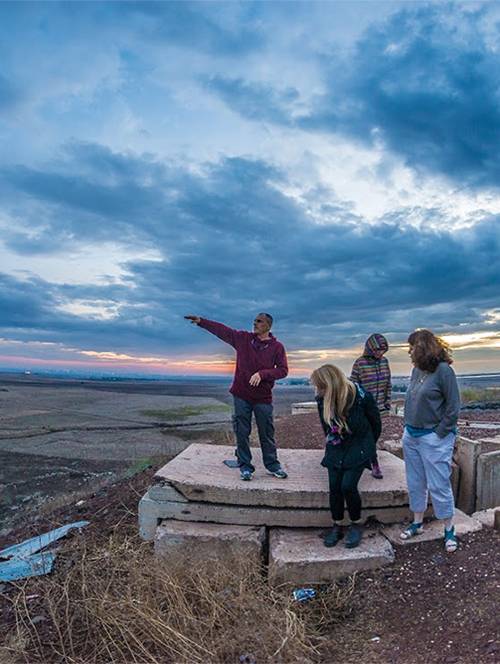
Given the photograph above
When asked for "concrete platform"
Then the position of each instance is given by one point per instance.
(153, 511)
(299, 556)
(434, 530)
(210, 541)
(198, 473)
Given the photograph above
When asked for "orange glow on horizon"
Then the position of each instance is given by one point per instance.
(189, 367)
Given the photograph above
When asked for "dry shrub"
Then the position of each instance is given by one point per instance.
(117, 603)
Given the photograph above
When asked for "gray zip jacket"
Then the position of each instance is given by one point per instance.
(433, 400)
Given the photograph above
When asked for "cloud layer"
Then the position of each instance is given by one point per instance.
(425, 84)
(173, 158)
(231, 243)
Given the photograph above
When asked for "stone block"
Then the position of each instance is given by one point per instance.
(466, 455)
(304, 407)
(486, 517)
(199, 474)
(394, 446)
(455, 479)
(149, 517)
(494, 440)
(299, 556)
(488, 480)
(398, 407)
(205, 541)
(490, 444)
(433, 530)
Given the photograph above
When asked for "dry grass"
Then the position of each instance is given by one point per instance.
(117, 603)
(472, 394)
(183, 412)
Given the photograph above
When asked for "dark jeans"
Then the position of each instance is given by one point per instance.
(344, 488)
(242, 424)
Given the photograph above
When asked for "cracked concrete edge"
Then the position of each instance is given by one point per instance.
(433, 530)
(164, 491)
(151, 512)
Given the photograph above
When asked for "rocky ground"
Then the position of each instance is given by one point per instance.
(428, 607)
(304, 430)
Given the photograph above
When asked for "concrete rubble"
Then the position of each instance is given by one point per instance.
(198, 474)
(198, 505)
(205, 541)
(486, 517)
(299, 556)
(433, 530)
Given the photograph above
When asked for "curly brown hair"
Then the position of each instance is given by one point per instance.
(429, 350)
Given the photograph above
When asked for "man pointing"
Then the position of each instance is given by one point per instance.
(260, 360)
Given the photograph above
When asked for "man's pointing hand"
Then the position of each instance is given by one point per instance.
(195, 320)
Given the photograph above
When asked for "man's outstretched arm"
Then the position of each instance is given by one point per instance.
(224, 332)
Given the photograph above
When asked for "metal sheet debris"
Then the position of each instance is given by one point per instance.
(23, 560)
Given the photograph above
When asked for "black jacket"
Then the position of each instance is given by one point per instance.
(358, 447)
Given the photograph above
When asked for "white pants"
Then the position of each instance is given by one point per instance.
(428, 470)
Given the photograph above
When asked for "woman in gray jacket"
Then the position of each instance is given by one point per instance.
(432, 406)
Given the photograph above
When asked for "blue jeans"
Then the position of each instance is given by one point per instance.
(242, 425)
(428, 470)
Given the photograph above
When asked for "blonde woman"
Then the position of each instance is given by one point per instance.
(351, 422)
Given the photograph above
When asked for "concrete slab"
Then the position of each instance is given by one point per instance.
(304, 407)
(490, 444)
(494, 440)
(393, 445)
(486, 517)
(152, 512)
(434, 530)
(466, 455)
(163, 492)
(488, 480)
(210, 541)
(455, 479)
(494, 426)
(397, 407)
(299, 556)
(199, 474)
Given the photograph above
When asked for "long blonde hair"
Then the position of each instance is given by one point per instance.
(338, 394)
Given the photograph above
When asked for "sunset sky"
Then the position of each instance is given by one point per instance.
(334, 163)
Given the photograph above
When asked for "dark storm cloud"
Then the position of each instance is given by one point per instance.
(425, 83)
(231, 244)
(429, 82)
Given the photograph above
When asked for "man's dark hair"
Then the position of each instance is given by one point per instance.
(269, 318)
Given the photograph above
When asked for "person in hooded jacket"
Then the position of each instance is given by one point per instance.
(351, 422)
(260, 360)
(373, 373)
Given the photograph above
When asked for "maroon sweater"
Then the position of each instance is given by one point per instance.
(267, 357)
